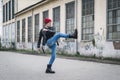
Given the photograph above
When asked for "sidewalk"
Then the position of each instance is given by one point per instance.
(104, 60)
(83, 58)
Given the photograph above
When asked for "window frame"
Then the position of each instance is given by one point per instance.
(23, 29)
(87, 21)
(30, 29)
(54, 18)
(111, 30)
(18, 31)
(70, 18)
(37, 24)
(46, 12)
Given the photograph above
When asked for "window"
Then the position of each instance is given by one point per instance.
(87, 19)
(18, 31)
(56, 18)
(36, 27)
(13, 32)
(30, 29)
(3, 13)
(4, 34)
(6, 12)
(13, 8)
(9, 10)
(45, 15)
(23, 30)
(70, 17)
(113, 20)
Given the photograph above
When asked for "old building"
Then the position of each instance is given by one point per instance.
(97, 21)
(8, 22)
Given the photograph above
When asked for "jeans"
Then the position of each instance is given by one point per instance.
(51, 43)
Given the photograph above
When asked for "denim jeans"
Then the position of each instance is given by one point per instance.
(51, 43)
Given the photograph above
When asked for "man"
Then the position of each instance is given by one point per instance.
(42, 35)
(50, 38)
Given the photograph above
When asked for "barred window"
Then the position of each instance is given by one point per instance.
(4, 34)
(13, 32)
(13, 8)
(7, 33)
(4, 13)
(45, 15)
(18, 31)
(70, 17)
(30, 29)
(23, 30)
(36, 27)
(87, 19)
(9, 10)
(56, 18)
(113, 20)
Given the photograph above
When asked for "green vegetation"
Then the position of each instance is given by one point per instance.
(62, 54)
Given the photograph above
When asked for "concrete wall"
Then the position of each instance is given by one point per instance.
(8, 28)
(25, 3)
(102, 48)
(5, 1)
(48, 6)
(8, 35)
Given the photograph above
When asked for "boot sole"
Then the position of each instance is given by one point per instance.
(50, 72)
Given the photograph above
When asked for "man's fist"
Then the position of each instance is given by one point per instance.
(38, 50)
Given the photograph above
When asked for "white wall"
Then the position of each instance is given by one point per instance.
(102, 47)
(25, 3)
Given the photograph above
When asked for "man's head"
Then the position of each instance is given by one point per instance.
(47, 22)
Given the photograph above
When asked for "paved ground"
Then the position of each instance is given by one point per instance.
(30, 67)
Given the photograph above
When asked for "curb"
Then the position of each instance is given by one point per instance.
(92, 60)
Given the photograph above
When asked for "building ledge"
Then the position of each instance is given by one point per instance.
(31, 7)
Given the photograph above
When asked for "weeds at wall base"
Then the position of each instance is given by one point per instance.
(77, 55)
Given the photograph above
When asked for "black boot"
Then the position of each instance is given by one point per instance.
(74, 35)
(49, 70)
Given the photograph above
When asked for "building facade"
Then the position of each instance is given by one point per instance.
(97, 22)
(8, 23)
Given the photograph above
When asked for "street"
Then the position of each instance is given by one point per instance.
(15, 66)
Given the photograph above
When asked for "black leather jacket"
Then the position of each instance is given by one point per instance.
(46, 35)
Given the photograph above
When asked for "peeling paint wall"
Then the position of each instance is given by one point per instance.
(67, 47)
(87, 48)
(102, 47)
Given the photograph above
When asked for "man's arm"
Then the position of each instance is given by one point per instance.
(39, 40)
(44, 37)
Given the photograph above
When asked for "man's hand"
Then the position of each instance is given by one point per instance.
(38, 49)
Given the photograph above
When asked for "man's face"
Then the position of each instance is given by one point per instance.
(49, 24)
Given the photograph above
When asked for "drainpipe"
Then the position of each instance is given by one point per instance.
(76, 22)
